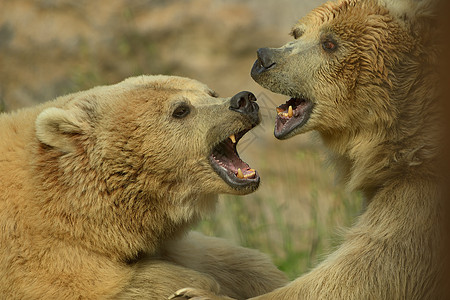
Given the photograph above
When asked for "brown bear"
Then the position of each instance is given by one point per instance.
(362, 73)
(97, 189)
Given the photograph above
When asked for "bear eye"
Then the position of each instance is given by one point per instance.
(329, 45)
(181, 111)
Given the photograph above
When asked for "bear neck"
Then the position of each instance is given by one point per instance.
(121, 223)
(406, 146)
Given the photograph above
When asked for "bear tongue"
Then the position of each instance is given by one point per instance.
(233, 163)
(228, 159)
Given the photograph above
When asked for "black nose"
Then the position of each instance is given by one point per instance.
(265, 57)
(266, 61)
(245, 103)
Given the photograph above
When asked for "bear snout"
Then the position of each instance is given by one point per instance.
(266, 60)
(245, 103)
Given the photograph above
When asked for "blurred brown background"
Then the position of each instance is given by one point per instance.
(53, 47)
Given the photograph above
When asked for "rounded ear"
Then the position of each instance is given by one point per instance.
(55, 127)
(413, 11)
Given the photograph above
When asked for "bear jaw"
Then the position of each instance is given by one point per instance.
(225, 161)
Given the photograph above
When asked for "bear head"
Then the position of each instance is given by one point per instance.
(350, 68)
(149, 150)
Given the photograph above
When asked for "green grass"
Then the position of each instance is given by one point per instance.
(296, 229)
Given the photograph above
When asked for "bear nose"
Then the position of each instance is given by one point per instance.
(245, 103)
(265, 61)
(265, 57)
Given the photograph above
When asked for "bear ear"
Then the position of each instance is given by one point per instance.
(413, 11)
(420, 16)
(55, 127)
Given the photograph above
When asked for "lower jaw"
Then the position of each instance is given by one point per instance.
(283, 133)
(292, 118)
(241, 186)
(237, 185)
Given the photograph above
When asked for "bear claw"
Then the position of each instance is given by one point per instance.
(186, 293)
(194, 294)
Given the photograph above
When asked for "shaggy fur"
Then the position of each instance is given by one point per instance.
(375, 102)
(98, 188)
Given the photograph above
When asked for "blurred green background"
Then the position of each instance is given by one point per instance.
(53, 47)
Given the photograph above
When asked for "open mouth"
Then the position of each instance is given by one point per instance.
(291, 115)
(231, 168)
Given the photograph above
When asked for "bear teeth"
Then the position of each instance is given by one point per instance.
(233, 138)
(240, 174)
(250, 174)
(290, 112)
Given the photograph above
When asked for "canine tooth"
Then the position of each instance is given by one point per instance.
(290, 112)
(233, 138)
(240, 174)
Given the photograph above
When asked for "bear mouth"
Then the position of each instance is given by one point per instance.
(226, 162)
(291, 115)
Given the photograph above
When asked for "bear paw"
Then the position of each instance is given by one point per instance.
(196, 294)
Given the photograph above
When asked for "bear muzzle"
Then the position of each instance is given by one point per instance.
(245, 103)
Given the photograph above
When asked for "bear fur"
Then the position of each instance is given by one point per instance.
(363, 74)
(99, 188)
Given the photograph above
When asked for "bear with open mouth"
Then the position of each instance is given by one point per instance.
(363, 74)
(99, 188)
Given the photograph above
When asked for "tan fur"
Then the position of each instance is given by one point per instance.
(98, 189)
(376, 109)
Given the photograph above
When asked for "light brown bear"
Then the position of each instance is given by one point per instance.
(97, 189)
(363, 75)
